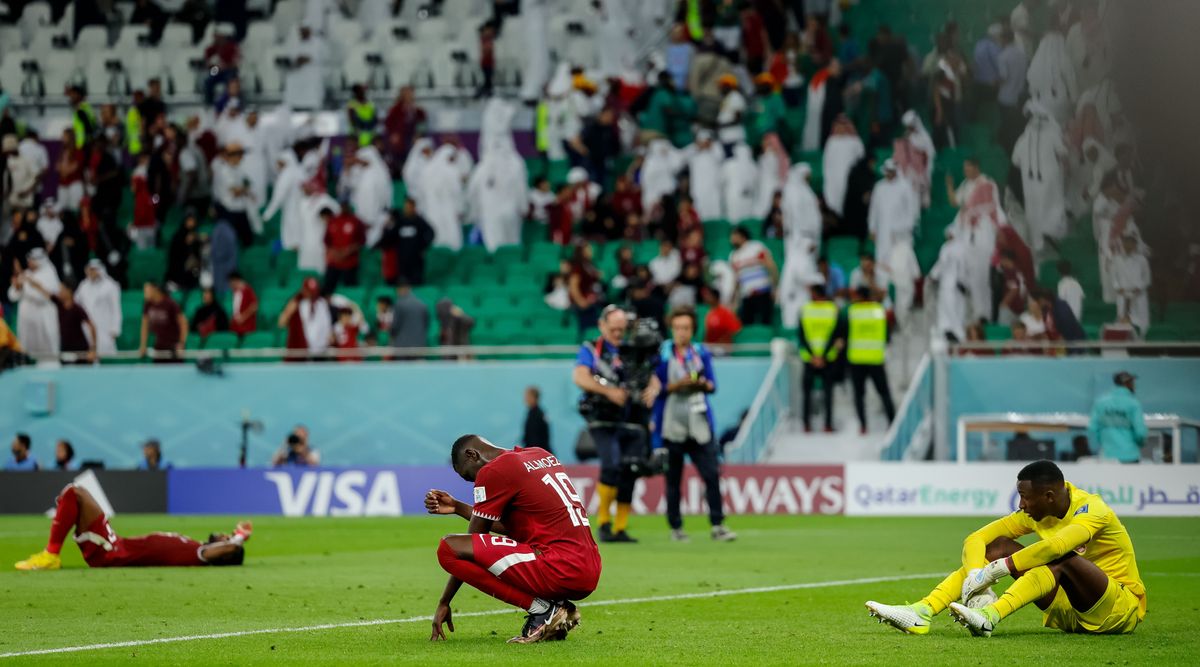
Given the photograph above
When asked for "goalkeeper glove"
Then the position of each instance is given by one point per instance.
(980, 579)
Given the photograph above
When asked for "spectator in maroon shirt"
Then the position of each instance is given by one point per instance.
(626, 197)
(245, 306)
(487, 57)
(345, 236)
(164, 319)
(404, 122)
(222, 58)
(73, 321)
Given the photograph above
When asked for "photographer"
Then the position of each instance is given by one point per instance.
(613, 375)
(296, 452)
(683, 422)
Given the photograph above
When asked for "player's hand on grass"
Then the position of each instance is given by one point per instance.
(441, 615)
(439, 502)
(981, 578)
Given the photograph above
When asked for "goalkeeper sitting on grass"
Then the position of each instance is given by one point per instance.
(1082, 574)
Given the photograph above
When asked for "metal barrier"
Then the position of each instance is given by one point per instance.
(915, 410)
(768, 411)
(1064, 423)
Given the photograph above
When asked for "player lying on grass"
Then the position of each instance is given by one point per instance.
(529, 542)
(1082, 574)
(102, 547)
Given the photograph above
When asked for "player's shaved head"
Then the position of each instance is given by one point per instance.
(470, 453)
(234, 556)
(1042, 474)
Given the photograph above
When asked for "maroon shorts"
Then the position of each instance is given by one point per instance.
(543, 575)
(101, 547)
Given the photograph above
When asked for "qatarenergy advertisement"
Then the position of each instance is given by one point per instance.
(989, 489)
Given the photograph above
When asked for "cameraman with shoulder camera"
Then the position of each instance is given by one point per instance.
(684, 424)
(619, 387)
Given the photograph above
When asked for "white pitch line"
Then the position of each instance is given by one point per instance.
(494, 612)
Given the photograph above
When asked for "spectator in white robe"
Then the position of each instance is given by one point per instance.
(277, 136)
(442, 191)
(1069, 289)
(464, 162)
(100, 297)
(1105, 208)
(842, 151)
(796, 278)
(37, 316)
(659, 169)
(311, 256)
(1088, 44)
(948, 276)
(415, 166)
(373, 15)
(304, 82)
(1131, 280)
(801, 211)
(49, 223)
(1041, 155)
(536, 46)
(773, 166)
(497, 199)
(739, 176)
(914, 153)
(1051, 77)
(704, 159)
(901, 264)
(893, 212)
(286, 198)
(368, 185)
(979, 214)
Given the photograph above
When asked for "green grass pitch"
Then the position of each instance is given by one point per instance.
(305, 572)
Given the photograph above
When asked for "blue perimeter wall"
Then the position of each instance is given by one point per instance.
(1068, 384)
(358, 414)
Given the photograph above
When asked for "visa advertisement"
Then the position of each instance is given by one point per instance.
(397, 491)
(989, 489)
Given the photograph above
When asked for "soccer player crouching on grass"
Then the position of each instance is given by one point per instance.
(1082, 574)
(102, 547)
(529, 543)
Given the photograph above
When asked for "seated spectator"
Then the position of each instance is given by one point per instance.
(721, 324)
(1058, 317)
(1014, 292)
(688, 220)
(584, 285)
(870, 275)
(64, 456)
(835, 278)
(296, 452)
(667, 265)
(691, 249)
(975, 334)
(345, 334)
(381, 323)
(163, 319)
(210, 317)
(245, 306)
(231, 97)
(685, 289)
(647, 301)
(21, 459)
(152, 458)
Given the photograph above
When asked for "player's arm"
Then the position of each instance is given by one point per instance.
(1081, 531)
(441, 502)
(974, 551)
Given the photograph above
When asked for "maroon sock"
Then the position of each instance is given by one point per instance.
(475, 574)
(65, 517)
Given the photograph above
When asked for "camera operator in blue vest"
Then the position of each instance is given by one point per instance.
(619, 385)
(684, 424)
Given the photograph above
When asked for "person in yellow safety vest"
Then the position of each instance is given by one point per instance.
(133, 124)
(866, 349)
(822, 339)
(362, 114)
(83, 117)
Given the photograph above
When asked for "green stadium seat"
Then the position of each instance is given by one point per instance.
(145, 266)
(221, 340)
(996, 332)
(755, 333)
(261, 340)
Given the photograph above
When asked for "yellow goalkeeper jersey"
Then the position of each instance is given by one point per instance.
(1090, 528)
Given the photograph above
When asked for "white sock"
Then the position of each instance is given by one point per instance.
(539, 606)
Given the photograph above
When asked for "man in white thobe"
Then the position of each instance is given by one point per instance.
(739, 174)
(801, 210)
(773, 170)
(100, 297)
(704, 168)
(536, 47)
(50, 224)
(948, 275)
(893, 212)
(37, 317)
(311, 255)
(1040, 154)
(286, 196)
(796, 278)
(304, 83)
(415, 166)
(979, 214)
(1051, 77)
(368, 185)
(442, 190)
(842, 151)
(659, 168)
(1131, 280)
(497, 198)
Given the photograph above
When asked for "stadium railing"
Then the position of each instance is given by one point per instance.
(909, 429)
(1069, 423)
(770, 408)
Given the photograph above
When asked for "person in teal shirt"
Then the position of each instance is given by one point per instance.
(1118, 425)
